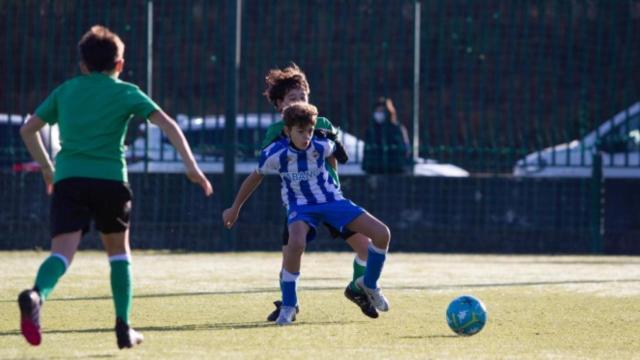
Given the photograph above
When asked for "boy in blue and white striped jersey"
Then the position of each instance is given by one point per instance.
(311, 197)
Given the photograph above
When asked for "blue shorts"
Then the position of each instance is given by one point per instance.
(337, 214)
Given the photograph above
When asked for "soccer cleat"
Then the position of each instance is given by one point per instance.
(375, 295)
(287, 315)
(362, 301)
(29, 302)
(126, 336)
(275, 313)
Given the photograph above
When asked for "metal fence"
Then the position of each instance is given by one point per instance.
(478, 84)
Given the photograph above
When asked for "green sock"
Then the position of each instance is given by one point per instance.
(358, 271)
(50, 271)
(121, 288)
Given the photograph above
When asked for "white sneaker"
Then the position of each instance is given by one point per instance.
(375, 295)
(287, 313)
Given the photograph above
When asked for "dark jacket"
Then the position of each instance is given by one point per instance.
(385, 151)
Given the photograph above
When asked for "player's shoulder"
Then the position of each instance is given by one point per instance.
(69, 83)
(69, 87)
(127, 85)
(323, 123)
(102, 81)
(273, 133)
(322, 140)
(275, 147)
(275, 126)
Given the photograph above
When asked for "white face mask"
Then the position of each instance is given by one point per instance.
(379, 116)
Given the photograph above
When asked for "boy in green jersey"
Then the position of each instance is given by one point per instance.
(285, 87)
(89, 181)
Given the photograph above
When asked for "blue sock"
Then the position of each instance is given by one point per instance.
(375, 261)
(288, 285)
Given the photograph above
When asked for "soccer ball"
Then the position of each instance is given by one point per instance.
(466, 315)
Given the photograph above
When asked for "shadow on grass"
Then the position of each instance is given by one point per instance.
(84, 356)
(189, 327)
(98, 356)
(332, 288)
(177, 294)
(545, 259)
(584, 262)
(320, 278)
(514, 284)
(437, 336)
(238, 325)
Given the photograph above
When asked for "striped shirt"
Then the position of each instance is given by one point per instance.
(304, 177)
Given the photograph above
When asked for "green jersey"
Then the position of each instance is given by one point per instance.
(275, 130)
(92, 112)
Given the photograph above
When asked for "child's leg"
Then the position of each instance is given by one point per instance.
(117, 246)
(285, 240)
(353, 292)
(360, 244)
(119, 252)
(380, 235)
(63, 248)
(292, 255)
(112, 207)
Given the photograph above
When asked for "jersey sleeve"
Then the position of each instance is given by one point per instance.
(141, 104)
(48, 110)
(325, 124)
(268, 163)
(329, 148)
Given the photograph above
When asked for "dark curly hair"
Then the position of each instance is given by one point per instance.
(281, 81)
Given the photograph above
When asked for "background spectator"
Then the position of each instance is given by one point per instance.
(387, 149)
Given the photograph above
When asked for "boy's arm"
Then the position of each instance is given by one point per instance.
(405, 138)
(177, 139)
(33, 142)
(333, 162)
(330, 155)
(249, 185)
(340, 153)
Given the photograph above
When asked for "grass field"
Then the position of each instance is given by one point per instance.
(214, 306)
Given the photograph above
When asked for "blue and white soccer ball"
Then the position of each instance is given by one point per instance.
(466, 315)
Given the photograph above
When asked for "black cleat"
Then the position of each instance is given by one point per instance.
(29, 303)
(274, 315)
(126, 336)
(362, 301)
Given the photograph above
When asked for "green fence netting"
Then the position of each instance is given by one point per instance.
(485, 89)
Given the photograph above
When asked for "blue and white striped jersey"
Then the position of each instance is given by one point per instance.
(305, 179)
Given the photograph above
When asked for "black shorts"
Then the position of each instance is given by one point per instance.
(335, 233)
(77, 201)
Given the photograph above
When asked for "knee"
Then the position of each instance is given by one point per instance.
(295, 246)
(383, 237)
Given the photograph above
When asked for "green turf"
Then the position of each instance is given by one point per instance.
(214, 306)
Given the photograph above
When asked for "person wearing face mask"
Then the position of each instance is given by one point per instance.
(387, 149)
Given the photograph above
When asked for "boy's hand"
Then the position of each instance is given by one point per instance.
(47, 174)
(340, 153)
(229, 217)
(196, 176)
